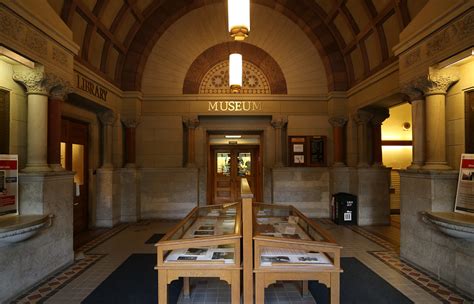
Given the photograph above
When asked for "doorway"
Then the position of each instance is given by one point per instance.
(74, 157)
(228, 165)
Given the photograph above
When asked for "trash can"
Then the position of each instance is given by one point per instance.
(344, 208)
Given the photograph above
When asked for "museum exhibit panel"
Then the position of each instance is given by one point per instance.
(206, 243)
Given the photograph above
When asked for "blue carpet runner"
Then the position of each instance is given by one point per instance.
(136, 281)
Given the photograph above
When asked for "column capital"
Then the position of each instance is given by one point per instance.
(36, 81)
(412, 91)
(362, 117)
(130, 122)
(107, 117)
(379, 115)
(279, 122)
(338, 121)
(60, 91)
(191, 122)
(439, 81)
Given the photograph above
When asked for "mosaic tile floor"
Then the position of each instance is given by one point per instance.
(100, 257)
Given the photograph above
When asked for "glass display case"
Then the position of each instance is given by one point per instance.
(204, 244)
(289, 247)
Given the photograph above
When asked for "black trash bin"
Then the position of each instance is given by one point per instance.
(344, 208)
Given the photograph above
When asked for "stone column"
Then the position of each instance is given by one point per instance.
(379, 116)
(435, 87)
(338, 124)
(107, 119)
(37, 84)
(362, 118)
(57, 97)
(130, 142)
(417, 101)
(191, 123)
(278, 123)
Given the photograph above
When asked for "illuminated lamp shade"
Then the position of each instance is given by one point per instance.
(239, 18)
(235, 72)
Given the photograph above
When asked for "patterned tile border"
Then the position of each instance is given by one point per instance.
(52, 284)
(423, 280)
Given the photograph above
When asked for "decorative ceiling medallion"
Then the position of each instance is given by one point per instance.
(216, 80)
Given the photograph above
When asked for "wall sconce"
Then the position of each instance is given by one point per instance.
(239, 18)
(235, 72)
(406, 126)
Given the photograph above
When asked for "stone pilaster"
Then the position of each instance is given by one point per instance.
(191, 123)
(37, 84)
(417, 101)
(57, 96)
(362, 118)
(435, 86)
(279, 123)
(107, 119)
(338, 124)
(130, 142)
(379, 117)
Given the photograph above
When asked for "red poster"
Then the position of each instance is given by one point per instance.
(8, 184)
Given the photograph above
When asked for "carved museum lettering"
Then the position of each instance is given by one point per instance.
(234, 106)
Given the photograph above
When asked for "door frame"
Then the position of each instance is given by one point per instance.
(258, 195)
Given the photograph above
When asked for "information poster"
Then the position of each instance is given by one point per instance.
(465, 192)
(8, 183)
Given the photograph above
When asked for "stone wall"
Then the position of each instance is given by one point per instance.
(307, 189)
(448, 259)
(25, 263)
(168, 192)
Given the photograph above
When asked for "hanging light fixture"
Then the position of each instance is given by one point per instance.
(235, 72)
(239, 18)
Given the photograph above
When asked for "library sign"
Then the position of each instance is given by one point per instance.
(91, 87)
(234, 106)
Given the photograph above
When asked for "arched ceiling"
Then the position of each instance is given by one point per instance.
(353, 37)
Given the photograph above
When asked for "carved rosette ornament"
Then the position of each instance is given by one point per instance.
(338, 121)
(279, 122)
(438, 82)
(191, 122)
(130, 123)
(107, 118)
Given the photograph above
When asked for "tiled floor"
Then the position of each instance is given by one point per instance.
(103, 255)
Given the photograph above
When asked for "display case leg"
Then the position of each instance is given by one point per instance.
(304, 288)
(259, 289)
(162, 287)
(235, 287)
(334, 288)
(186, 288)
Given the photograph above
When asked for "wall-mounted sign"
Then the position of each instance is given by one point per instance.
(234, 106)
(465, 193)
(8, 183)
(87, 85)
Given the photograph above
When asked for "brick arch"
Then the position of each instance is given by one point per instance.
(220, 52)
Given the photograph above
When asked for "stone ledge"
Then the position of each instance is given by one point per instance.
(17, 228)
(453, 224)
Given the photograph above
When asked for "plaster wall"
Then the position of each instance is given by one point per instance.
(455, 113)
(18, 112)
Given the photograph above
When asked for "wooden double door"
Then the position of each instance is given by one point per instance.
(228, 165)
(74, 157)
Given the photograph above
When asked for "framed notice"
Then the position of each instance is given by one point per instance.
(8, 184)
(465, 192)
(307, 151)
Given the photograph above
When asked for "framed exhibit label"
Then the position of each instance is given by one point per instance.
(8, 183)
(307, 151)
(465, 191)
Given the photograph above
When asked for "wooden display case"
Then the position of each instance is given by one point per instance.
(204, 244)
(290, 247)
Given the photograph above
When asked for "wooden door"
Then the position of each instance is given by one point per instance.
(228, 166)
(469, 126)
(74, 157)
